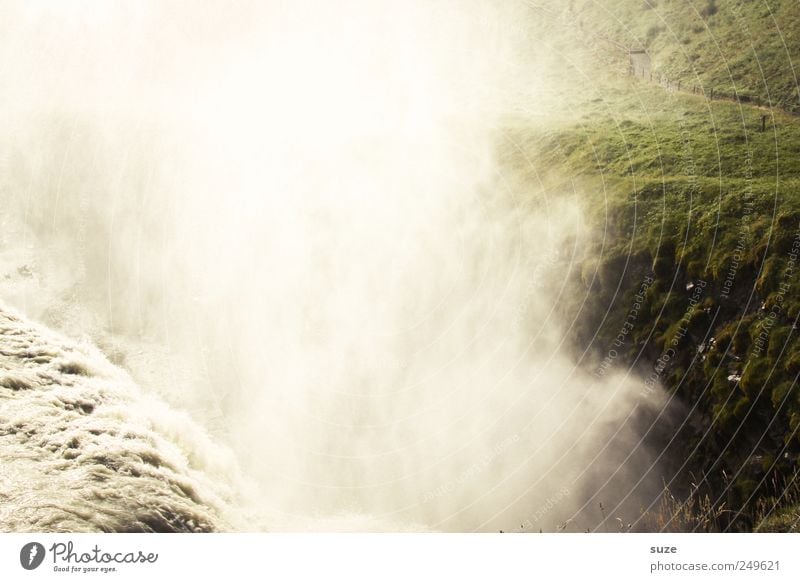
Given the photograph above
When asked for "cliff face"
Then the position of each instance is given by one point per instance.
(83, 449)
(693, 206)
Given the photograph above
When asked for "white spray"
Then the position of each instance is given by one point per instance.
(289, 219)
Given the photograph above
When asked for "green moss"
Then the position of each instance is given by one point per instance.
(791, 363)
(781, 393)
(709, 44)
(778, 337)
(688, 189)
(756, 376)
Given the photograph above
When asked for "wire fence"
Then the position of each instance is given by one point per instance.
(640, 67)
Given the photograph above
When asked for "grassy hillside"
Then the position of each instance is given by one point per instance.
(693, 195)
(750, 47)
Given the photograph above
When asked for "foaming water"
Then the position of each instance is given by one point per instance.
(83, 450)
(291, 222)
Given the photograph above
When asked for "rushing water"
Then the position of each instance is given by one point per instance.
(289, 222)
(83, 449)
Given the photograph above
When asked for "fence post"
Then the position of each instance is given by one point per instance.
(763, 123)
(712, 95)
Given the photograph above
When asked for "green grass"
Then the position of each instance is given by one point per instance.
(744, 46)
(686, 189)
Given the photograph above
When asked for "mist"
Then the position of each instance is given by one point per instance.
(292, 223)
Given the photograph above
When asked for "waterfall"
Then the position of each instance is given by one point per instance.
(290, 221)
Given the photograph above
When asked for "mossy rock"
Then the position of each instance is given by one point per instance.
(781, 394)
(696, 269)
(785, 232)
(741, 407)
(778, 337)
(741, 338)
(755, 376)
(791, 364)
(771, 276)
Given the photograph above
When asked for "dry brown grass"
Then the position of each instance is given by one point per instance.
(696, 513)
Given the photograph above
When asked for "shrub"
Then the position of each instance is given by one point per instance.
(710, 9)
